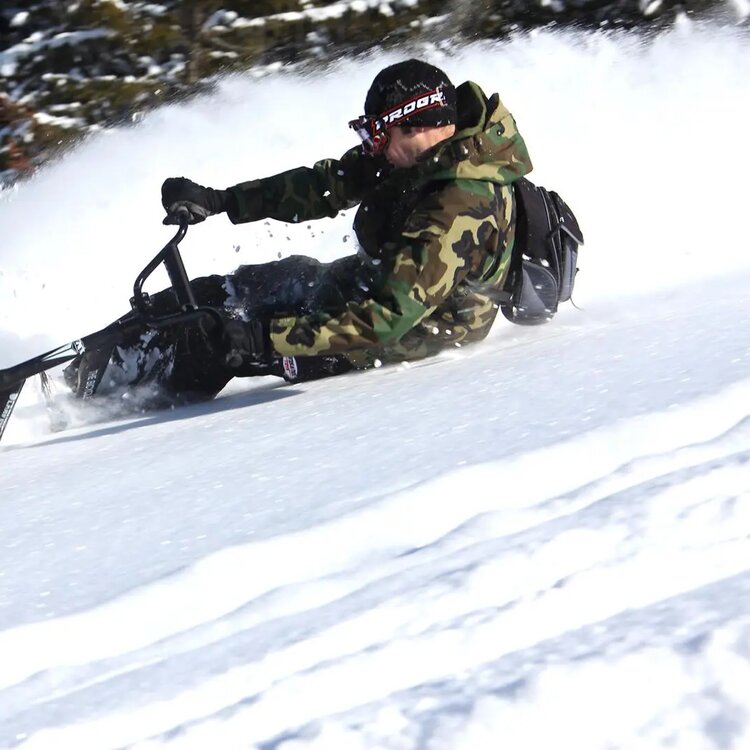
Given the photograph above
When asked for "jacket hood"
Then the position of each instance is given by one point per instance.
(486, 146)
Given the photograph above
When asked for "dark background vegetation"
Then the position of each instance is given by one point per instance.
(70, 68)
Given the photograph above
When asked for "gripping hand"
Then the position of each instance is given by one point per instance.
(200, 202)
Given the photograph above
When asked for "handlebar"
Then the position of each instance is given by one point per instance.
(170, 256)
(180, 281)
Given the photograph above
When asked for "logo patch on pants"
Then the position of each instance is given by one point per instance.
(290, 368)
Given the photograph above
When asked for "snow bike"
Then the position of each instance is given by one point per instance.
(100, 344)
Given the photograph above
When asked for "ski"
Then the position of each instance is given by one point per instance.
(8, 400)
(91, 371)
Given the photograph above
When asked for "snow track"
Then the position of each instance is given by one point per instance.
(452, 601)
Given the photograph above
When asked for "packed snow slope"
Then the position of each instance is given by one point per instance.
(542, 540)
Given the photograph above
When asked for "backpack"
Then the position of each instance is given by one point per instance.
(543, 266)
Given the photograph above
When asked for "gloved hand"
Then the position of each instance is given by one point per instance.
(200, 202)
(247, 342)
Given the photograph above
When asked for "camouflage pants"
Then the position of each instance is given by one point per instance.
(299, 285)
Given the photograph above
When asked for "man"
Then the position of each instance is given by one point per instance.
(436, 223)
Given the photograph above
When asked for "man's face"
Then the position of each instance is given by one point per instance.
(405, 145)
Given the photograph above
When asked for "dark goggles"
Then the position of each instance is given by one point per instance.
(373, 131)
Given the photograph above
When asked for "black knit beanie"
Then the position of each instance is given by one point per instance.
(402, 82)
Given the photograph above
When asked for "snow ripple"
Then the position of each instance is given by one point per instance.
(427, 588)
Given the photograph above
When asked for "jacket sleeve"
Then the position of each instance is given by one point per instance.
(438, 247)
(306, 193)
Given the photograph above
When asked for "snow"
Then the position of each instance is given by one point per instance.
(62, 122)
(36, 42)
(19, 19)
(334, 10)
(219, 18)
(544, 536)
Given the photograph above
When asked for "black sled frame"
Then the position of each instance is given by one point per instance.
(13, 378)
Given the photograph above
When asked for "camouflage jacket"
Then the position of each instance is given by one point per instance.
(435, 238)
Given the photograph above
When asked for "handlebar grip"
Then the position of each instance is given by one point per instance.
(182, 215)
(179, 216)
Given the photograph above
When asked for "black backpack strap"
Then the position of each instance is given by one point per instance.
(568, 223)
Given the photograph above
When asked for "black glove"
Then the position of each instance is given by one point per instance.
(200, 202)
(247, 342)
